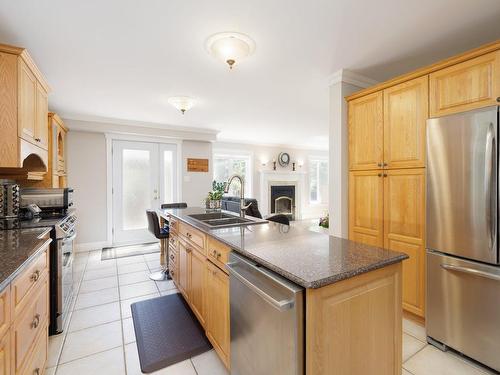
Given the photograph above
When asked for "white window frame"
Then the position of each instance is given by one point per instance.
(235, 154)
(318, 159)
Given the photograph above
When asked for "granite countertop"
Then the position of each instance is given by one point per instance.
(17, 248)
(296, 252)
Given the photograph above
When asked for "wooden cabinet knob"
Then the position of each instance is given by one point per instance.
(35, 276)
(36, 321)
(36, 371)
(188, 250)
(379, 164)
(498, 99)
(379, 174)
(189, 235)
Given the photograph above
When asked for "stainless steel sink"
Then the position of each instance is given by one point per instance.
(222, 220)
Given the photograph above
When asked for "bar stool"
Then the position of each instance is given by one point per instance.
(161, 234)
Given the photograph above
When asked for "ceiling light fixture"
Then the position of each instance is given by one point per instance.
(182, 103)
(230, 47)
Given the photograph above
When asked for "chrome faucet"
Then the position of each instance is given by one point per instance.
(242, 192)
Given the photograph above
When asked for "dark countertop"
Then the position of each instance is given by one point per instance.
(303, 256)
(18, 247)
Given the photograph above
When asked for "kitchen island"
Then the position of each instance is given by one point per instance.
(353, 297)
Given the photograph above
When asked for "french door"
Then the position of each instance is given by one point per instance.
(144, 177)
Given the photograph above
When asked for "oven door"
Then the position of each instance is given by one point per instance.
(65, 292)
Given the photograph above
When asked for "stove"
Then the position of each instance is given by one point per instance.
(55, 213)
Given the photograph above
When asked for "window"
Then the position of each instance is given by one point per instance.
(318, 181)
(227, 164)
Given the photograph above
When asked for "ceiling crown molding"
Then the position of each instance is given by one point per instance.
(348, 76)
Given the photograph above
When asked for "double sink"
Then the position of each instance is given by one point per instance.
(224, 220)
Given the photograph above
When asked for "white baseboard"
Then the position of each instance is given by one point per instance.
(88, 246)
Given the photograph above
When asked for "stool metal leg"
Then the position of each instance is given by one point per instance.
(164, 273)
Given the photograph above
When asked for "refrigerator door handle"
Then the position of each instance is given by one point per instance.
(470, 271)
(490, 183)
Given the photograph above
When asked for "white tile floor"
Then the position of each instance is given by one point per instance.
(100, 337)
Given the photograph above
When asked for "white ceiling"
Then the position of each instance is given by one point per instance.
(123, 58)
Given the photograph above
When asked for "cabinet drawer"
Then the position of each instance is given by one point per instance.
(173, 224)
(4, 310)
(27, 281)
(36, 364)
(27, 326)
(218, 253)
(193, 236)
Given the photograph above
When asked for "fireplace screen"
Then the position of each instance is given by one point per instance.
(283, 200)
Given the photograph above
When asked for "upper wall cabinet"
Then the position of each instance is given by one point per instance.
(405, 115)
(24, 109)
(471, 84)
(366, 132)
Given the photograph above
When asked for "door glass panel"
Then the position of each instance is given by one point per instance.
(136, 188)
(168, 182)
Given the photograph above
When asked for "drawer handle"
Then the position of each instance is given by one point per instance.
(219, 255)
(188, 250)
(36, 371)
(36, 321)
(35, 276)
(214, 253)
(172, 256)
(189, 235)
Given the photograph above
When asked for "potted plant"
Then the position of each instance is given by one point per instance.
(214, 198)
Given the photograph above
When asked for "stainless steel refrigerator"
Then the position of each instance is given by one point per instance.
(463, 266)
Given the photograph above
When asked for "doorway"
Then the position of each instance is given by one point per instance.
(144, 177)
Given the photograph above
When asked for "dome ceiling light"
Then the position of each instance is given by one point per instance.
(230, 47)
(182, 103)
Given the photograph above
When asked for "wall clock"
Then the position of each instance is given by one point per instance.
(284, 159)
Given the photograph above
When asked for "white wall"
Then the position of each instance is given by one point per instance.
(86, 154)
(260, 153)
(196, 185)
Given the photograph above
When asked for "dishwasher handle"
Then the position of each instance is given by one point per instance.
(281, 305)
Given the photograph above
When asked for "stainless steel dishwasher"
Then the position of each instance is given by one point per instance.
(267, 321)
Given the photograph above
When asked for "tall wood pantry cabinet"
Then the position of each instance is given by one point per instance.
(387, 145)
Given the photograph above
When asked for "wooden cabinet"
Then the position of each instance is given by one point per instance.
(405, 116)
(23, 115)
(41, 118)
(9, 145)
(5, 355)
(27, 94)
(366, 132)
(404, 231)
(182, 268)
(471, 84)
(366, 207)
(4, 310)
(355, 326)
(203, 282)
(196, 292)
(217, 314)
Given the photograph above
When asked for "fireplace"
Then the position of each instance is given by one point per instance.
(283, 200)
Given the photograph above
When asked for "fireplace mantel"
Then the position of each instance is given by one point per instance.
(269, 178)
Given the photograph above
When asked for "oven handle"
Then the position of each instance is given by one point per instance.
(69, 239)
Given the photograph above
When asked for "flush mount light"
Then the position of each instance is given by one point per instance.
(230, 47)
(182, 103)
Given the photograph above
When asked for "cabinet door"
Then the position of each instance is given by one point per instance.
(27, 102)
(217, 314)
(5, 354)
(366, 132)
(197, 284)
(41, 121)
(405, 116)
(182, 270)
(472, 84)
(9, 145)
(366, 207)
(404, 230)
